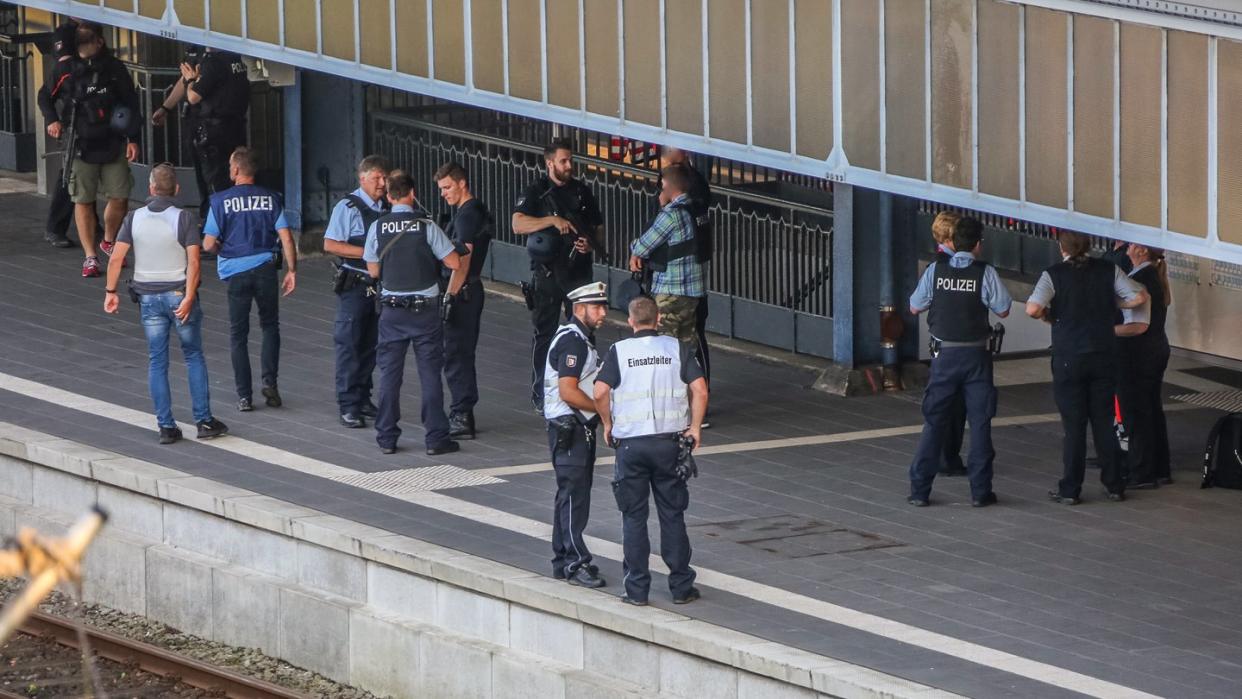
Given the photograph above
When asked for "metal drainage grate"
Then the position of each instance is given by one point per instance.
(417, 480)
(791, 536)
(1229, 401)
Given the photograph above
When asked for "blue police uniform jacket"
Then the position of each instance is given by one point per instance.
(247, 215)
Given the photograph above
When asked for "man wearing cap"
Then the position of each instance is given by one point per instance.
(570, 412)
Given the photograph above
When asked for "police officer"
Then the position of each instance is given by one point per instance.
(643, 404)
(951, 463)
(958, 295)
(570, 413)
(356, 329)
(471, 227)
(246, 227)
(670, 247)
(1080, 296)
(104, 109)
(63, 47)
(1143, 357)
(216, 86)
(403, 251)
(550, 210)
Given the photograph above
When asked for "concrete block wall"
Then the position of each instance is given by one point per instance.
(387, 613)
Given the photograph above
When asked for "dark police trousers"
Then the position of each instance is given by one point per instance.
(1083, 386)
(355, 334)
(954, 429)
(700, 329)
(461, 338)
(645, 465)
(965, 371)
(212, 153)
(398, 329)
(575, 472)
(551, 307)
(259, 286)
(1142, 410)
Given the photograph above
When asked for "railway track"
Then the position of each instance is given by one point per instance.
(130, 654)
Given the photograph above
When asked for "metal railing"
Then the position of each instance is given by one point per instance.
(160, 144)
(767, 250)
(14, 111)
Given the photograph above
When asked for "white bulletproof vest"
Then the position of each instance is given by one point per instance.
(158, 255)
(651, 398)
(553, 406)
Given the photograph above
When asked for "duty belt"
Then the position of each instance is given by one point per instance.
(410, 303)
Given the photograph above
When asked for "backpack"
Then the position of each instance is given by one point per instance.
(1222, 459)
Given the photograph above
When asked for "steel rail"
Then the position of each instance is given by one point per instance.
(154, 660)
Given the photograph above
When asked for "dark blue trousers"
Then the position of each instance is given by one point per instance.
(964, 371)
(398, 329)
(645, 466)
(575, 472)
(355, 335)
(258, 287)
(461, 337)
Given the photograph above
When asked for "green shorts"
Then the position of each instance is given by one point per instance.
(88, 181)
(677, 316)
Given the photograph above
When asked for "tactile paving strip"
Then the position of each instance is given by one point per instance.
(417, 480)
(1229, 401)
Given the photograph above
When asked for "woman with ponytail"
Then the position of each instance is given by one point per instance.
(1142, 360)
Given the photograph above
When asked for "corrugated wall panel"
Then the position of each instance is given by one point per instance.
(860, 74)
(564, 61)
(905, 78)
(642, 61)
(1229, 145)
(813, 29)
(952, 53)
(726, 23)
(1093, 116)
(488, 45)
(602, 58)
(412, 45)
(525, 52)
(338, 28)
(999, 117)
(1188, 148)
(683, 25)
(1140, 124)
(375, 32)
(769, 50)
(449, 28)
(190, 12)
(225, 16)
(263, 21)
(300, 23)
(1046, 123)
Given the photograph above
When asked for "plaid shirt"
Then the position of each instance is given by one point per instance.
(672, 225)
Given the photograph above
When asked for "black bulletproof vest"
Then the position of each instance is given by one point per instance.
(957, 312)
(668, 252)
(1083, 308)
(369, 216)
(406, 260)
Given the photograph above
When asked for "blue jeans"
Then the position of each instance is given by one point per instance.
(157, 320)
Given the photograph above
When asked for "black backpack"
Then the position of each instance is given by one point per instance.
(1222, 459)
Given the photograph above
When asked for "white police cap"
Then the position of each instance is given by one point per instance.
(595, 292)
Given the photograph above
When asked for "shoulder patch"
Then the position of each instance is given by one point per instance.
(571, 360)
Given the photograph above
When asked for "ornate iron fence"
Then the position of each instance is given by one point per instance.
(768, 250)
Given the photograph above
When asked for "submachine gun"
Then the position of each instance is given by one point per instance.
(581, 229)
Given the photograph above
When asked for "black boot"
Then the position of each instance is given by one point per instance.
(461, 425)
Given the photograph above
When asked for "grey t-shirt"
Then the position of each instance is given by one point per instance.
(187, 235)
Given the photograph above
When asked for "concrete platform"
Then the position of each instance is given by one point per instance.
(800, 530)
